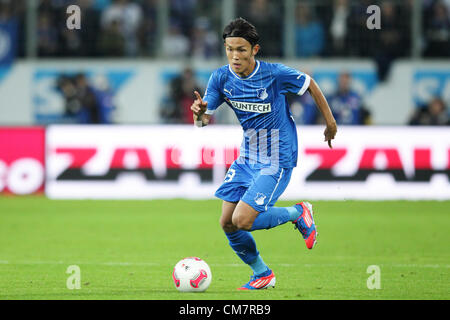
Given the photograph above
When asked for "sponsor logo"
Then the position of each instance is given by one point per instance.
(331, 158)
(173, 165)
(252, 107)
(141, 163)
(22, 160)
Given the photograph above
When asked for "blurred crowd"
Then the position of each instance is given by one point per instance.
(86, 101)
(346, 104)
(322, 28)
(433, 113)
(119, 28)
(176, 106)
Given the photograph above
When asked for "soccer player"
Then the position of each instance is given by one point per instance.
(255, 90)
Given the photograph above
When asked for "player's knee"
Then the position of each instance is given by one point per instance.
(227, 224)
(242, 222)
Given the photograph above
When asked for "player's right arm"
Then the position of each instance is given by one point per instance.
(203, 108)
(199, 108)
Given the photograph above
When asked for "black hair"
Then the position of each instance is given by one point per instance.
(243, 29)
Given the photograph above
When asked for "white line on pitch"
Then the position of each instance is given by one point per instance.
(155, 264)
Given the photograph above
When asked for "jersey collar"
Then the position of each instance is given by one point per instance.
(248, 77)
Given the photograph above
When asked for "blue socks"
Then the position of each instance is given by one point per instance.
(258, 266)
(274, 217)
(244, 245)
(295, 213)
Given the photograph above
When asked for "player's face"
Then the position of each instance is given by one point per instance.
(241, 55)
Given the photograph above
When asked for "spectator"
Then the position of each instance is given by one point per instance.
(267, 17)
(213, 10)
(175, 44)
(361, 39)
(437, 31)
(434, 114)
(48, 7)
(112, 42)
(129, 15)
(89, 112)
(390, 42)
(182, 12)
(447, 5)
(15, 13)
(339, 27)
(347, 105)
(81, 42)
(148, 31)
(101, 4)
(84, 102)
(47, 36)
(309, 33)
(9, 26)
(67, 88)
(104, 96)
(304, 110)
(205, 42)
(177, 108)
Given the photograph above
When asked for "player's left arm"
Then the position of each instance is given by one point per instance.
(322, 105)
(294, 81)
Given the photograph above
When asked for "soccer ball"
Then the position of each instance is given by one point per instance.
(191, 274)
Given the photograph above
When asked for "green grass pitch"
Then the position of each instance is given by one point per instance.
(127, 250)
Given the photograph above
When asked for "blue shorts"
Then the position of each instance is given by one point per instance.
(258, 186)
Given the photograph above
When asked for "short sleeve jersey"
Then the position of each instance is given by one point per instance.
(261, 107)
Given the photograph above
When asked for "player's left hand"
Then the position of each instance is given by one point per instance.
(330, 133)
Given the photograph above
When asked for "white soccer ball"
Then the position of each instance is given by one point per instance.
(191, 274)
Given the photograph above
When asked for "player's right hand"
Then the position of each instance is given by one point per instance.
(199, 106)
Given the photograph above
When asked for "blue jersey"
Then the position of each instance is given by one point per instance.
(261, 107)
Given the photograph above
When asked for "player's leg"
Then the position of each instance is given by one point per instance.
(241, 241)
(262, 195)
(247, 218)
(235, 184)
(300, 214)
(256, 210)
(244, 245)
(243, 216)
(226, 217)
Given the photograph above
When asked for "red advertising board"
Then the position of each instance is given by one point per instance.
(22, 154)
(153, 162)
